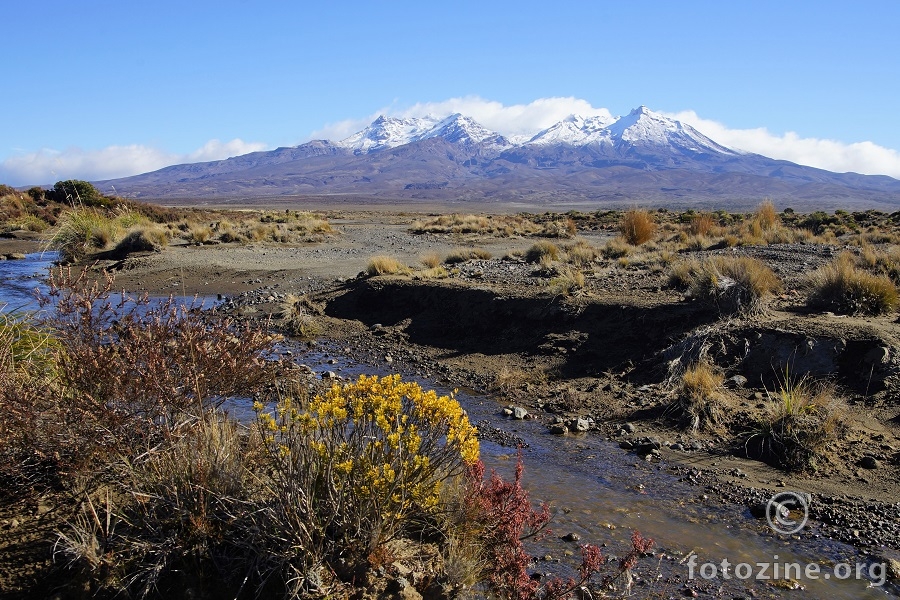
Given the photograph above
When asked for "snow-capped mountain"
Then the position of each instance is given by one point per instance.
(640, 157)
(575, 131)
(390, 132)
(645, 127)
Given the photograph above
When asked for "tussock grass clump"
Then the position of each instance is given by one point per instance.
(81, 231)
(384, 265)
(461, 255)
(542, 252)
(151, 238)
(844, 288)
(431, 260)
(567, 282)
(766, 217)
(198, 233)
(27, 223)
(802, 417)
(438, 272)
(701, 224)
(700, 399)
(581, 254)
(298, 316)
(617, 248)
(735, 284)
(637, 227)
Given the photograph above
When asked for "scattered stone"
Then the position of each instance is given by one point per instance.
(629, 427)
(559, 429)
(738, 381)
(571, 537)
(580, 424)
(677, 447)
(15, 256)
(626, 445)
(519, 413)
(329, 375)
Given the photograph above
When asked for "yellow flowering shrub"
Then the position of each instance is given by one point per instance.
(365, 456)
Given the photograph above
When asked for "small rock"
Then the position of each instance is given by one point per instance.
(571, 537)
(738, 381)
(329, 375)
(629, 427)
(15, 256)
(626, 445)
(580, 424)
(519, 412)
(14, 523)
(677, 447)
(559, 429)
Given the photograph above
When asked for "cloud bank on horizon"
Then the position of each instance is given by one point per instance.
(47, 166)
(517, 120)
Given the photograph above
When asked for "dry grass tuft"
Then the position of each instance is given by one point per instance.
(542, 252)
(567, 282)
(801, 419)
(637, 227)
(735, 284)
(701, 398)
(384, 265)
(461, 255)
(431, 260)
(844, 288)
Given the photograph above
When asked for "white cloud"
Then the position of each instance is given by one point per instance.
(48, 165)
(859, 157)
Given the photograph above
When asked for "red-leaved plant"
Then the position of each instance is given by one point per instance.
(507, 518)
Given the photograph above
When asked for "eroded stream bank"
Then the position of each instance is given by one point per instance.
(599, 492)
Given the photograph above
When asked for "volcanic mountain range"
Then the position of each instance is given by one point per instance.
(643, 157)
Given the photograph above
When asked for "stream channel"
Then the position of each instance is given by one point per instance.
(596, 491)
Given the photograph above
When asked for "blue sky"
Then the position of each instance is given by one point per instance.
(102, 89)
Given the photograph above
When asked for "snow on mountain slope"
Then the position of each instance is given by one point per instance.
(388, 132)
(575, 131)
(645, 127)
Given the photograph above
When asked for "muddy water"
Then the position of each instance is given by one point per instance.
(601, 493)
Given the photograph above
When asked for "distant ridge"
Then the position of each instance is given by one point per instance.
(642, 156)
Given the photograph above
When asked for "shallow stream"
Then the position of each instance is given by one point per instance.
(596, 491)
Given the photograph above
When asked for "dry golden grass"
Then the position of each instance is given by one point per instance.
(701, 224)
(581, 254)
(734, 283)
(567, 282)
(766, 216)
(701, 397)
(495, 225)
(638, 226)
(461, 255)
(384, 265)
(542, 252)
(844, 288)
(431, 260)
